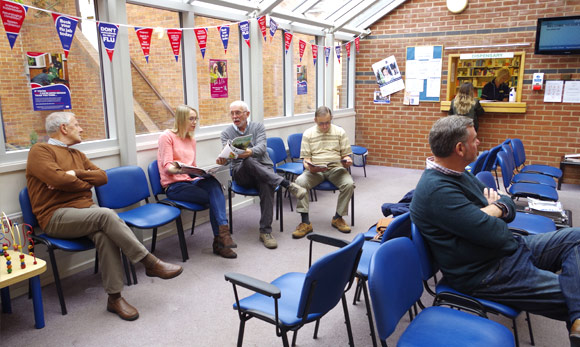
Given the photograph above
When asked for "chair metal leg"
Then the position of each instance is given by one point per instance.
(57, 281)
(347, 321)
(230, 209)
(193, 222)
(365, 164)
(279, 206)
(369, 313)
(133, 273)
(356, 291)
(285, 339)
(316, 326)
(153, 240)
(96, 262)
(352, 210)
(294, 335)
(181, 236)
(516, 333)
(530, 328)
(241, 332)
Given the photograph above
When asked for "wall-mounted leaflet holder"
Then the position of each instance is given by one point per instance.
(538, 81)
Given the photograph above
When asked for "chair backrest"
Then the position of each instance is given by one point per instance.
(506, 169)
(272, 156)
(478, 164)
(487, 178)
(127, 185)
(399, 227)
(327, 278)
(489, 163)
(519, 152)
(510, 155)
(154, 178)
(277, 144)
(394, 283)
(428, 268)
(26, 207)
(294, 144)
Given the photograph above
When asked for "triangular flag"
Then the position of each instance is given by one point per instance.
(12, 16)
(348, 50)
(338, 49)
(225, 36)
(327, 54)
(287, 40)
(174, 36)
(109, 34)
(65, 28)
(273, 28)
(262, 25)
(314, 53)
(245, 29)
(301, 47)
(356, 43)
(201, 36)
(144, 36)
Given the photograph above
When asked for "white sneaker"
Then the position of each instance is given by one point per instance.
(296, 190)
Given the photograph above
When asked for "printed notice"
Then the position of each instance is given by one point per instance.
(553, 91)
(572, 91)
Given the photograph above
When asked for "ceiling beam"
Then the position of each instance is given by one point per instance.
(240, 5)
(355, 12)
(267, 7)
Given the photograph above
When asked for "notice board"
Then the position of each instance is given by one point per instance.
(423, 71)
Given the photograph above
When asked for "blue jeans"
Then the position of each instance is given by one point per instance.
(203, 192)
(526, 280)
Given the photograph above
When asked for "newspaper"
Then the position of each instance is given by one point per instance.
(235, 147)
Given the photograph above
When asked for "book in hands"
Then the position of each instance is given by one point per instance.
(235, 147)
(196, 171)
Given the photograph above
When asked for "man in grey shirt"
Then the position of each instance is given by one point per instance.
(253, 168)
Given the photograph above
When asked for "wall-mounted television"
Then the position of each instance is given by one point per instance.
(558, 35)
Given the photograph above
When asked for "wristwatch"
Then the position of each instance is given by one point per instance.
(502, 207)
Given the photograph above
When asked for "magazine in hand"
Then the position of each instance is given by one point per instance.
(236, 147)
(196, 171)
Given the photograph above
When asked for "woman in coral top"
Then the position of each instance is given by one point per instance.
(179, 145)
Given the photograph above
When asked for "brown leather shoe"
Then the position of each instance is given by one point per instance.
(122, 308)
(341, 225)
(222, 251)
(575, 334)
(163, 270)
(225, 238)
(301, 230)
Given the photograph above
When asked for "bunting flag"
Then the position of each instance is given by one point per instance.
(356, 43)
(262, 24)
(301, 47)
(245, 29)
(201, 36)
(348, 51)
(144, 36)
(12, 16)
(314, 53)
(327, 54)
(225, 36)
(273, 28)
(338, 50)
(287, 40)
(65, 27)
(174, 36)
(109, 34)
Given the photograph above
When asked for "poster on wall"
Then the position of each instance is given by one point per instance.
(388, 76)
(49, 81)
(218, 78)
(380, 98)
(301, 80)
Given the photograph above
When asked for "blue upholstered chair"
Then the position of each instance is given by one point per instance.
(127, 185)
(395, 286)
(523, 190)
(279, 151)
(295, 299)
(477, 165)
(294, 144)
(520, 159)
(526, 177)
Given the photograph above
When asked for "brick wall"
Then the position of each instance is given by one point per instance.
(396, 135)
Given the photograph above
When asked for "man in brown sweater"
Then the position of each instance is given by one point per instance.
(59, 180)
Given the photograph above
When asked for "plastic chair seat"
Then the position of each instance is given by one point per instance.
(150, 216)
(532, 224)
(70, 245)
(538, 191)
(446, 327)
(543, 169)
(369, 234)
(291, 168)
(369, 248)
(534, 178)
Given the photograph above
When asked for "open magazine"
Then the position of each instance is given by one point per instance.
(196, 171)
(236, 147)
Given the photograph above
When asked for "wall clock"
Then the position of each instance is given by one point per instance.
(456, 6)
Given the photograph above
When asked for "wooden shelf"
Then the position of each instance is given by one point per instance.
(494, 107)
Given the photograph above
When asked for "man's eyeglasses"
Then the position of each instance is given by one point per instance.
(237, 113)
(322, 124)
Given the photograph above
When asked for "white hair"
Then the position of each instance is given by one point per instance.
(56, 119)
(241, 104)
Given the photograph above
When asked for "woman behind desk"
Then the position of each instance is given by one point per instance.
(178, 144)
(497, 89)
(464, 104)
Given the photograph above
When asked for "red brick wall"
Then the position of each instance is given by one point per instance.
(396, 135)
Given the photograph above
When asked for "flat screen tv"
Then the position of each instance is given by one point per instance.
(558, 35)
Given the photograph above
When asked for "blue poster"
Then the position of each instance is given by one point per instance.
(53, 97)
(49, 81)
(301, 80)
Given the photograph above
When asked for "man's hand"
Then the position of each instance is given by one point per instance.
(221, 161)
(248, 153)
(491, 195)
(313, 168)
(71, 172)
(346, 162)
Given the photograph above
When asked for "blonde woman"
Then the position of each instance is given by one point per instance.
(498, 88)
(178, 144)
(466, 105)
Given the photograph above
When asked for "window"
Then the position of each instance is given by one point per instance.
(218, 74)
(305, 76)
(158, 84)
(272, 60)
(340, 91)
(23, 126)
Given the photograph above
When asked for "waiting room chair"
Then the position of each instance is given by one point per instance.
(520, 159)
(328, 186)
(294, 145)
(477, 165)
(395, 286)
(155, 181)
(522, 190)
(446, 295)
(127, 185)
(526, 177)
(361, 152)
(524, 223)
(295, 299)
(290, 170)
(399, 227)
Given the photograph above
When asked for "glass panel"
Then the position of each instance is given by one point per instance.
(80, 73)
(340, 78)
(272, 56)
(218, 74)
(157, 85)
(305, 77)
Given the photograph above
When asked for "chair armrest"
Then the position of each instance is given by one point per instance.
(254, 284)
(314, 237)
(460, 301)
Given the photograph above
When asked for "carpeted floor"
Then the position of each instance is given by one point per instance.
(195, 309)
